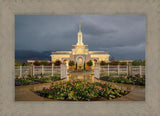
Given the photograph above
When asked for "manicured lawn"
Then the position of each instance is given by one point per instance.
(33, 80)
(81, 91)
(125, 80)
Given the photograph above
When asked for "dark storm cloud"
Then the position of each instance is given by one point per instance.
(123, 36)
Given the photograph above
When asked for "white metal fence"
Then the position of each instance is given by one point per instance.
(24, 71)
(121, 70)
(108, 70)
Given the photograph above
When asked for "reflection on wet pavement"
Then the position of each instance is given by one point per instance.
(87, 76)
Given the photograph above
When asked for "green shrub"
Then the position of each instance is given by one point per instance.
(103, 63)
(37, 63)
(71, 63)
(114, 63)
(57, 63)
(90, 63)
(123, 63)
(44, 63)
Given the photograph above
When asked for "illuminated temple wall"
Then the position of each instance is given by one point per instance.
(101, 57)
(80, 51)
(55, 57)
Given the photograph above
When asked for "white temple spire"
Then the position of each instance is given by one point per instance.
(80, 40)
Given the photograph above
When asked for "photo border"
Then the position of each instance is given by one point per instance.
(8, 10)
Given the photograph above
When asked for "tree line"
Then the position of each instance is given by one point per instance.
(134, 63)
(89, 63)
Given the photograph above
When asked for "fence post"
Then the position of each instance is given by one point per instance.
(63, 71)
(118, 70)
(20, 69)
(97, 71)
(140, 73)
(108, 69)
(127, 70)
(52, 70)
(33, 70)
(42, 69)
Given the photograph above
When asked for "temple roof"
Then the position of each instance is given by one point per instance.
(62, 52)
(98, 52)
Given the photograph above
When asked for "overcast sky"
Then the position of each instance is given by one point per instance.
(123, 36)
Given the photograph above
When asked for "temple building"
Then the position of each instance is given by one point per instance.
(80, 53)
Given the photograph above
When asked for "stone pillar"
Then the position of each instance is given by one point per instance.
(97, 70)
(31, 70)
(63, 71)
(129, 69)
(20, 71)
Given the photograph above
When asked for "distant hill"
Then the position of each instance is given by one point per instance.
(24, 55)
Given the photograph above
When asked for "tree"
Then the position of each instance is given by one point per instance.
(84, 66)
(114, 63)
(36, 63)
(50, 64)
(103, 63)
(24, 64)
(138, 62)
(76, 65)
(123, 63)
(16, 63)
(90, 63)
(71, 63)
(45, 63)
(57, 63)
(112, 58)
(143, 63)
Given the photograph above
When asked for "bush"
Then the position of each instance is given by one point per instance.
(36, 63)
(44, 63)
(24, 64)
(138, 62)
(76, 65)
(103, 63)
(90, 63)
(57, 63)
(71, 63)
(114, 63)
(16, 63)
(123, 63)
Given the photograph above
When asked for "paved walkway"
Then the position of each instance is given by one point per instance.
(26, 93)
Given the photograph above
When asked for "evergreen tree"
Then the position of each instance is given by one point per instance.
(84, 66)
(24, 64)
(76, 65)
(71, 63)
(90, 63)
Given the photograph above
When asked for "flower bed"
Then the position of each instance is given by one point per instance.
(125, 80)
(81, 91)
(33, 80)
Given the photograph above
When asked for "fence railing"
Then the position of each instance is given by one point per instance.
(25, 71)
(121, 70)
(108, 70)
